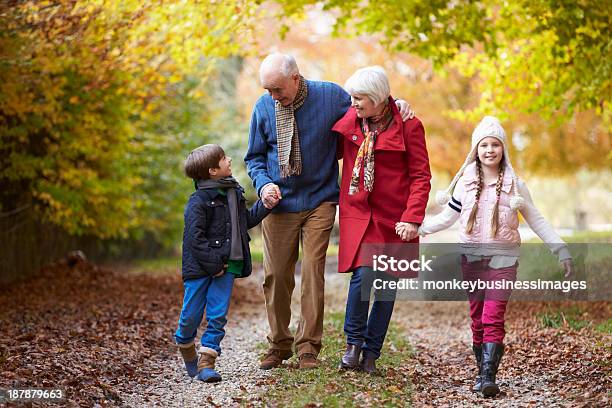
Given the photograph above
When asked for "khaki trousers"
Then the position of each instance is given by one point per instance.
(282, 233)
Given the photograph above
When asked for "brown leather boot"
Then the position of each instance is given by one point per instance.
(308, 361)
(274, 358)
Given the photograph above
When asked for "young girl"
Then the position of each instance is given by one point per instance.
(486, 196)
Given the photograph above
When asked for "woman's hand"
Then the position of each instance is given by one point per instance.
(568, 266)
(407, 230)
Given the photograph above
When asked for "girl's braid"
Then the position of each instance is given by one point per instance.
(472, 219)
(498, 186)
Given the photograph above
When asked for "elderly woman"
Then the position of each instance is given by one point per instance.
(384, 191)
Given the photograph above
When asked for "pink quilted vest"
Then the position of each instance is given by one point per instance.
(507, 233)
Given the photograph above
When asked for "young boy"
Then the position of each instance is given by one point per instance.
(215, 252)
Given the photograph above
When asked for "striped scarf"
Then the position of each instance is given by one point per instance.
(365, 155)
(288, 141)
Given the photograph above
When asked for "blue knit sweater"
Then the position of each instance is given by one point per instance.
(325, 104)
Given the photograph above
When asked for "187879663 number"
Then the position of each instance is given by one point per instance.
(32, 394)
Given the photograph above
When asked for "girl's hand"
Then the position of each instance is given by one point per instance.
(407, 231)
(568, 266)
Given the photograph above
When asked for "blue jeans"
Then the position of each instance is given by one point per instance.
(369, 333)
(212, 294)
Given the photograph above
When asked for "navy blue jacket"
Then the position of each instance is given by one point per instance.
(208, 231)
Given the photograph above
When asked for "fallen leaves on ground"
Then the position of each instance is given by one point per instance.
(541, 366)
(89, 330)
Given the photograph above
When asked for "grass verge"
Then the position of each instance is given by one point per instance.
(592, 261)
(157, 266)
(257, 248)
(328, 386)
(574, 318)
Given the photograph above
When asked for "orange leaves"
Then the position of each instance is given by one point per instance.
(84, 84)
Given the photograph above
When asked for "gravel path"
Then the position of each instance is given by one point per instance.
(238, 364)
(442, 368)
(542, 367)
(106, 336)
(243, 382)
(444, 364)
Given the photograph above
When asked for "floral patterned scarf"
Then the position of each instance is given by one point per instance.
(365, 155)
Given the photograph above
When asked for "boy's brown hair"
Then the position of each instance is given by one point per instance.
(202, 159)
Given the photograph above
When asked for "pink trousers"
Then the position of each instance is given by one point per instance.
(488, 303)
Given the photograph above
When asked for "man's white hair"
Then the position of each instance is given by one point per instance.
(371, 82)
(285, 64)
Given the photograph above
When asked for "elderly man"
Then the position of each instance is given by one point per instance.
(292, 157)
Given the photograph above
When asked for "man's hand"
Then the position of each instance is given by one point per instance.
(407, 230)
(568, 267)
(270, 195)
(404, 109)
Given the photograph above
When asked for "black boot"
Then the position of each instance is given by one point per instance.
(491, 357)
(350, 359)
(478, 354)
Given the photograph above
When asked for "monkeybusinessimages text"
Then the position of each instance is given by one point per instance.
(385, 263)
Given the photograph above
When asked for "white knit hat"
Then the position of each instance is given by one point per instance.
(489, 126)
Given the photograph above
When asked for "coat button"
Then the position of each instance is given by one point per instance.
(212, 203)
(227, 240)
(216, 242)
(354, 138)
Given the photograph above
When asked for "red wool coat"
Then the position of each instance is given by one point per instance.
(401, 185)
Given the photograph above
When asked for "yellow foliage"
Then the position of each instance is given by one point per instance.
(80, 81)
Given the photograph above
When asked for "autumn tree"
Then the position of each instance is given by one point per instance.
(536, 55)
(99, 98)
(542, 66)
